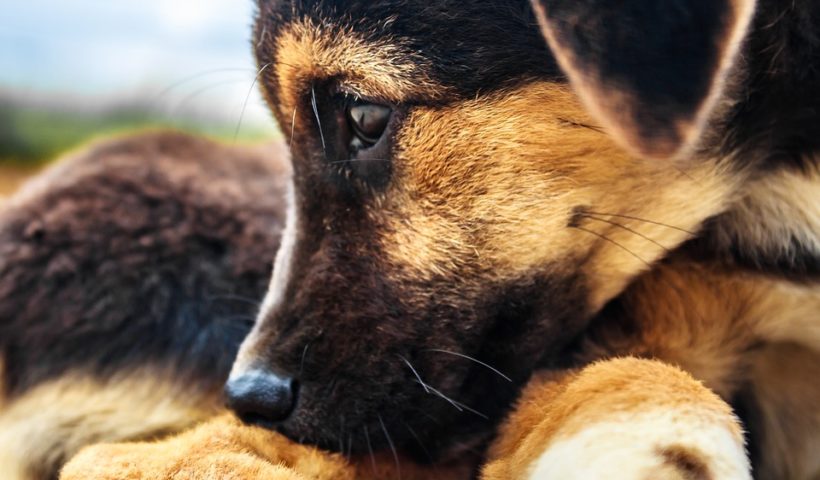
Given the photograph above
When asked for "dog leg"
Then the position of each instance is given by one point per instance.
(622, 419)
(43, 428)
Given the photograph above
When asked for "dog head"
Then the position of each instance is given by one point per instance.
(466, 196)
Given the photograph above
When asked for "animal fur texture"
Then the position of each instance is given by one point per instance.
(509, 231)
(581, 415)
(129, 273)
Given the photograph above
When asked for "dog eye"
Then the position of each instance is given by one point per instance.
(368, 122)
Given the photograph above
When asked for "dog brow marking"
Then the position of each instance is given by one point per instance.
(306, 50)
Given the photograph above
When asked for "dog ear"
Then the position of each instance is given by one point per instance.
(649, 70)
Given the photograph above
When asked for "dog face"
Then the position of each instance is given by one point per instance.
(459, 208)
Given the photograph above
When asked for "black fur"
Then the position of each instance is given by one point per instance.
(662, 53)
(775, 123)
(470, 46)
(149, 251)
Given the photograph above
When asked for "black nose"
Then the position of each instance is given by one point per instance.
(261, 398)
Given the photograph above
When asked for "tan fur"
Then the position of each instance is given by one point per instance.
(308, 52)
(226, 449)
(776, 208)
(563, 407)
(785, 383)
(50, 423)
(495, 182)
(705, 320)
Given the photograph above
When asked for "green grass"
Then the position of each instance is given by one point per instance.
(33, 136)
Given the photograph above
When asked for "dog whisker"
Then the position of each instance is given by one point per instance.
(639, 219)
(472, 359)
(370, 450)
(613, 242)
(445, 397)
(342, 434)
(456, 404)
(392, 446)
(236, 298)
(418, 440)
(202, 90)
(199, 75)
(424, 385)
(683, 297)
(331, 386)
(427, 415)
(247, 98)
(302, 361)
(262, 36)
(573, 123)
(624, 227)
(318, 120)
(292, 127)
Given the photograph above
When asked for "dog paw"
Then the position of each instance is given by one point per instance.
(630, 419)
(123, 462)
(649, 445)
(222, 449)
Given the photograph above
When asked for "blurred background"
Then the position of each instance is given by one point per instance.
(72, 70)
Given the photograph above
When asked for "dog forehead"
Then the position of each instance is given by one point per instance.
(462, 46)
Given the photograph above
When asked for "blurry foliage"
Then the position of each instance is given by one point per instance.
(31, 135)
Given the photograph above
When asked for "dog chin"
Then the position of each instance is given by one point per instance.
(370, 439)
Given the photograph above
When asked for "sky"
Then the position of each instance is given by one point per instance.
(180, 54)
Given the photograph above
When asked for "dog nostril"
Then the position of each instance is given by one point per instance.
(261, 398)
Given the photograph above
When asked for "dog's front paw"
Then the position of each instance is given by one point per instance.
(124, 462)
(222, 449)
(624, 419)
(658, 444)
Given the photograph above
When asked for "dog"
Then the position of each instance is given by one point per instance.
(486, 189)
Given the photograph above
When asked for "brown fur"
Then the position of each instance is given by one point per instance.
(686, 462)
(475, 189)
(309, 53)
(563, 406)
(224, 448)
(784, 391)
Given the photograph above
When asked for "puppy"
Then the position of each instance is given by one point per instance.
(473, 204)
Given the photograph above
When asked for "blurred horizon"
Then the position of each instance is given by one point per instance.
(75, 69)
